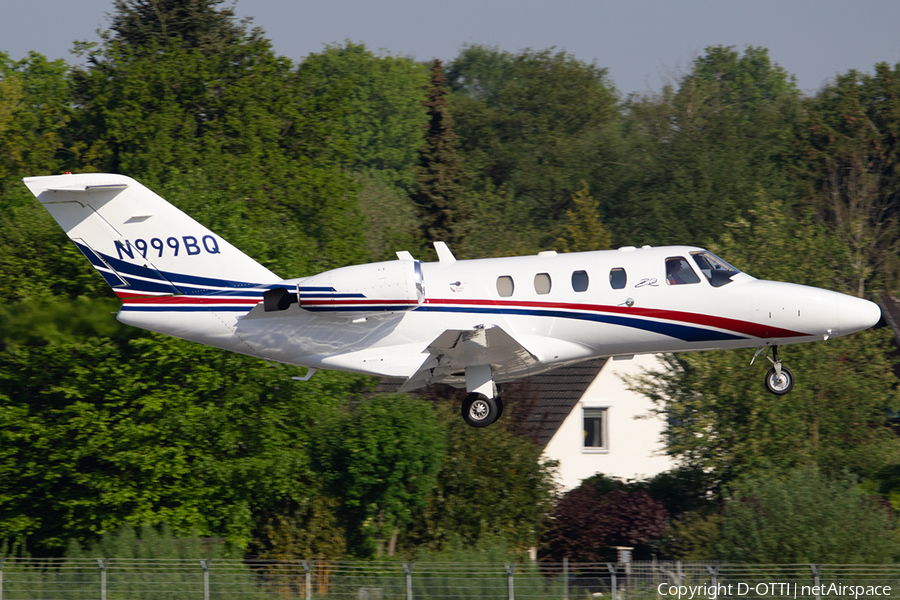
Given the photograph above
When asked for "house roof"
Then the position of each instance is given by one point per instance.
(534, 406)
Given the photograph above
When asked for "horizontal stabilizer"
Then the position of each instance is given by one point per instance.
(88, 188)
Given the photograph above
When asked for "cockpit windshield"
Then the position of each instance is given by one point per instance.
(716, 270)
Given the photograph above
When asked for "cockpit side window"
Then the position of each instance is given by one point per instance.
(679, 271)
(716, 270)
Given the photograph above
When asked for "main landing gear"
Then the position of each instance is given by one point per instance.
(779, 379)
(483, 405)
(480, 411)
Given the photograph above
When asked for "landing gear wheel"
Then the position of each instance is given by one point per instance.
(780, 385)
(480, 411)
(499, 401)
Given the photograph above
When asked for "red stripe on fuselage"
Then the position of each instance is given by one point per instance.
(735, 325)
(187, 300)
(353, 302)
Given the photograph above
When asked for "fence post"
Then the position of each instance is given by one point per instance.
(816, 569)
(101, 562)
(2, 560)
(612, 579)
(407, 568)
(509, 577)
(714, 574)
(306, 571)
(654, 576)
(565, 579)
(205, 565)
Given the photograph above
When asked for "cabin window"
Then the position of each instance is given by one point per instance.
(505, 286)
(618, 278)
(580, 281)
(679, 272)
(595, 437)
(542, 283)
(716, 270)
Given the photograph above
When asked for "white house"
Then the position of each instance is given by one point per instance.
(610, 429)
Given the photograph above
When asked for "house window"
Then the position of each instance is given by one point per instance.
(580, 281)
(618, 278)
(542, 283)
(595, 429)
(505, 286)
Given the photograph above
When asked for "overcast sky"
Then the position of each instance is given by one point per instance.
(643, 43)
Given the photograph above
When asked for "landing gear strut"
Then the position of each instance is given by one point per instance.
(480, 411)
(779, 379)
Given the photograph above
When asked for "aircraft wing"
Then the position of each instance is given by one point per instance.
(455, 349)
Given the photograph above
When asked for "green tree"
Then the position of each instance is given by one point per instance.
(383, 123)
(246, 118)
(492, 485)
(537, 123)
(385, 113)
(805, 517)
(698, 153)
(441, 178)
(381, 459)
(99, 431)
(583, 230)
(850, 150)
(200, 24)
(693, 536)
(35, 108)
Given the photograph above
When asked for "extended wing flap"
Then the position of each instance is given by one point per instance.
(455, 349)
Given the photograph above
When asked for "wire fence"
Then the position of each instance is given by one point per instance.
(221, 579)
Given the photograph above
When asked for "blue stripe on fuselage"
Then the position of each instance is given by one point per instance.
(681, 332)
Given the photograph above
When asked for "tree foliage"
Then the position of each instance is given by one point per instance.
(98, 432)
(441, 178)
(386, 114)
(601, 514)
(583, 230)
(698, 153)
(850, 141)
(381, 459)
(805, 517)
(200, 24)
(537, 122)
(492, 484)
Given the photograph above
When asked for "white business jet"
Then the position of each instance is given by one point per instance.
(469, 323)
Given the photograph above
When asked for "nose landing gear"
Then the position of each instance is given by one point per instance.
(779, 379)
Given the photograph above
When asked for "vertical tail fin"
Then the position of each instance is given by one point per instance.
(140, 243)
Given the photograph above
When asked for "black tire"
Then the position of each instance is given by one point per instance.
(499, 402)
(479, 411)
(780, 388)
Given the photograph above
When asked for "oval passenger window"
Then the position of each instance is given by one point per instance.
(580, 281)
(505, 286)
(542, 283)
(618, 278)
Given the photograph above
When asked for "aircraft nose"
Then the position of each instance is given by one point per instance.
(856, 314)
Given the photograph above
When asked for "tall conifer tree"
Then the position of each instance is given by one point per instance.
(441, 178)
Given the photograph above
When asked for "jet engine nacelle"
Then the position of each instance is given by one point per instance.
(378, 287)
